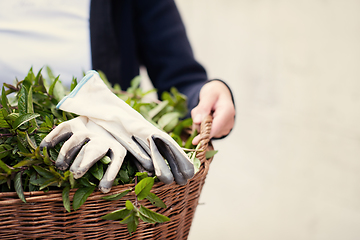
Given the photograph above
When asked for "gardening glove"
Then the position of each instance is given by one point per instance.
(92, 98)
(85, 143)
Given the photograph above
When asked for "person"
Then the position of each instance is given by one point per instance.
(127, 34)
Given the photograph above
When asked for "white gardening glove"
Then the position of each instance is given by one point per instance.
(92, 98)
(76, 132)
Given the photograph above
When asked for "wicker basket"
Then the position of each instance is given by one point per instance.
(44, 217)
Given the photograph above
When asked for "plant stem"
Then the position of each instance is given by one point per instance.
(136, 200)
(6, 134)
(192, 150)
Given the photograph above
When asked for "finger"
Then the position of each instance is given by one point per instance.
(162, 170)
(88, 155)
(183, 162)
(204, 108)
(117, 155)
(196, 140)
(223, 119)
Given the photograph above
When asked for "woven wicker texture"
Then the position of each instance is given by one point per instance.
(44, 217)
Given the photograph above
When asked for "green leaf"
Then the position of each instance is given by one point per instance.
(197, 164)
(37, 181)
(135, 82)
(84, 180)
(146, 218)
(72, 180)
(116, 196)
(4, 101)
(22, 100)
(52, 86)
(188, 143)
(166, 96)
(46, 157)
(5, 150)
(105, 160)
(24, 118)
(38, 77)
(124, 176)
(21, 144)
(26, 162)
(116, 215)
(132, 222)
(18, 187)
(210, 153)
(49, 121)
(97, 171)
(29, 79)
(12, 116)
(168, 121)
(59, 91)
(155, 200)
(30, 107)
(56, 173)
(5, 167)
(49, 182)
(30, 142)
(3, 122)
(141, 175)
(81, 195)
(129, 205)
(43, 172)
(66, 198)
(182, 124)
(157, 217)
(177, 138)
(29, 101)
(153, 112)
(73, 83)
(104, 78)
(50, 73)
(142, 189)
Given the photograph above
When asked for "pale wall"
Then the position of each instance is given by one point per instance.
(291, 167)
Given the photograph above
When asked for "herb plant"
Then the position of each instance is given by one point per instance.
(28, 113)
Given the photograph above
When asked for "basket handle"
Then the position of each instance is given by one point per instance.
(205, 128)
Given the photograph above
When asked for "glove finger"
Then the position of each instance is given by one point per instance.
(144, 146)
(137, 151)
(183, 162)
(168, 155)
(162, 170)
(117, 155)
(62, 132)
(69, 150)
(88, 155)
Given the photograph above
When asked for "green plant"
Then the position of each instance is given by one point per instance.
(28, 114)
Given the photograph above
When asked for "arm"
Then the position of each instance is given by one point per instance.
(165, 50)
(167, 54)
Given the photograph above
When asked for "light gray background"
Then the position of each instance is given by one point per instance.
(290, 168)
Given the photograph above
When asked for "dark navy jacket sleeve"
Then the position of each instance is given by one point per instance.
(165, 49)
(128, 33)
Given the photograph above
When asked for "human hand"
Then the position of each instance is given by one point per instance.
(215, 99)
